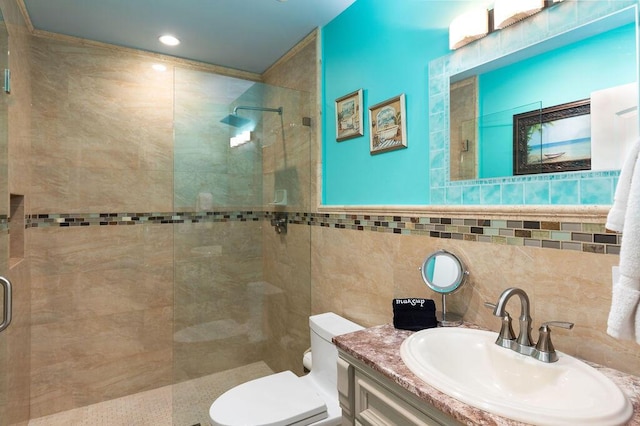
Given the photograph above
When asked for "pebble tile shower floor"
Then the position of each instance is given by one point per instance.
(183, 404)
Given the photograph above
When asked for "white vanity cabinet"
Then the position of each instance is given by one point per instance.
(367, 398)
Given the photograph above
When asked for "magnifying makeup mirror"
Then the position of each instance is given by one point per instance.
(444, 273)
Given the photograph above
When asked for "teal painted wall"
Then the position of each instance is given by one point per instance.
(564, 75)
(383, 47)
(386, 48)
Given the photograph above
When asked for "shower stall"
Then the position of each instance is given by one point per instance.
(201, 292)
(241, 285)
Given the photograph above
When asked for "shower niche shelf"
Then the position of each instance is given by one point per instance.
(16, 229)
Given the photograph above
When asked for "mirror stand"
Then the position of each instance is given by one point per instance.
(448, 319)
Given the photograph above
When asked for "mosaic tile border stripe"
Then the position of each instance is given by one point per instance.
(108, 219)
(585, 237)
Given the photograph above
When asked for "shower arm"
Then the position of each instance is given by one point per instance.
(278, 110)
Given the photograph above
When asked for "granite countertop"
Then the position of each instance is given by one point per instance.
(379, 348)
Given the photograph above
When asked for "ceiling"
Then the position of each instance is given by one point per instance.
(247, 35)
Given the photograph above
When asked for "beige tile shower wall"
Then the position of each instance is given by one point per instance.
(101, 295)
(102, 300)
(102, 139)
(297, 70)
(220, 298)
(286, 258)
(203, 160)
(287, 267)
(357, 273)
(286, 163)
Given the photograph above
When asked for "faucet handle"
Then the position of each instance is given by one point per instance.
(563, 324)
(506, 337)
(544, 350)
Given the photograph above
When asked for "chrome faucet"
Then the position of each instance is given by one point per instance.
(524, 343)
(543, 350)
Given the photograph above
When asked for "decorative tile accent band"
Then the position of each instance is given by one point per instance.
(106, 219)
(585, 237)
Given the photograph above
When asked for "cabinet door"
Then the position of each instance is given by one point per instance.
(376, 406)
(346, 391)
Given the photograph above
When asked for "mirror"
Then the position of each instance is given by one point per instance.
(476, 94)
(444, 273)
(486, 101)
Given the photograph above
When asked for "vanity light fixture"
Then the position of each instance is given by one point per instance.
(507, 12)
(468, 27)
(169, 40)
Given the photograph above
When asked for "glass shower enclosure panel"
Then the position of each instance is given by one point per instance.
(236, 307)
(5, 365)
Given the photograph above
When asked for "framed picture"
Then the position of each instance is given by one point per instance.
(554, 139)
(388, 128)
(349, 116)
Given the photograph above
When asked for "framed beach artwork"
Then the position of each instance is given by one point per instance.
(387, 121)
(554, 139)
(349, 116)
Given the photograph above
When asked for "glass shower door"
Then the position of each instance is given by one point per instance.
(5, 416)
(241, 290)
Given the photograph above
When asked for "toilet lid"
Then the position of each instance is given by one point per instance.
(277, 400)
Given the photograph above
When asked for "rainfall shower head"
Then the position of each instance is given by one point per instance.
(235, 120)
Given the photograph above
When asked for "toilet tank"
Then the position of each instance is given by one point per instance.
(325, 355)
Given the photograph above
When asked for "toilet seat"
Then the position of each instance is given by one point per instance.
(280, 399)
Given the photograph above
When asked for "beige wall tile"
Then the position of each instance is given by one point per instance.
(298, 71)
(352, 274)
(217, 306)
(287, 268)
(103, 126)
(286, 164)
(356, 274)
(102, 297)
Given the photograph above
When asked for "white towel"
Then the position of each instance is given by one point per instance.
(615, 219)
(624, 317)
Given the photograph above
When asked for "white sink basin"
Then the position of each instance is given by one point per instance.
(466, 364)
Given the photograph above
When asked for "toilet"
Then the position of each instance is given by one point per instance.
(284, 399)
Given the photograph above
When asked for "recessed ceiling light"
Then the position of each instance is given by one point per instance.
(159, 67)
(169, 40)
